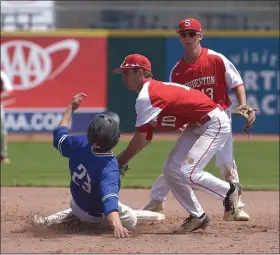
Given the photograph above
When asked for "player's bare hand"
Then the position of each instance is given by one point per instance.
(121, 232)
(76, 100)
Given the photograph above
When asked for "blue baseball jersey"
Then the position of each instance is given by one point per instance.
(95, 177)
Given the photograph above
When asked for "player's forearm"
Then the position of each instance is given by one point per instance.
(137, 143)
(66, 118)
(240, 94)
(73, 106)
(113, 219)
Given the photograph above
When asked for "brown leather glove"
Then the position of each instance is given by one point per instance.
(249, 113)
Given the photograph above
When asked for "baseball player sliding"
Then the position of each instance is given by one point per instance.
(95, 177)
(213, 74)
(6, 93)
(169, 106)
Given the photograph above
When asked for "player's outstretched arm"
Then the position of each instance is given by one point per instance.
(109, 191)
(73, 106)
(64, 143)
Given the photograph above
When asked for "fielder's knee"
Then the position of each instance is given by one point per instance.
(167, 169)
(171, 172)
(191, 171)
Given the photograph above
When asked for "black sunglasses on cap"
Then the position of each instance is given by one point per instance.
(189, 33)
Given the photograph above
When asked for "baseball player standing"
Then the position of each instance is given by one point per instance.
(169, 106)
(6, 93)
(213, 74)
(95, 177)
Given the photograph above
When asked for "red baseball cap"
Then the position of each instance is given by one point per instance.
(134, 61)
(189, 24)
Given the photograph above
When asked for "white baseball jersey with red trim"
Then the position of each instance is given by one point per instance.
(212, 73)
(168, 106)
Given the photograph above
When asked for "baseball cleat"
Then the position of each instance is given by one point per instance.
(231, 203)
(39, 220)
(240, 216)
(154, 206)
(192, 223)
(58, 218)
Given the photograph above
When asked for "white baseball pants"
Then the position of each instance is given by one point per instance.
(185, 165)
(128, 217)
(224, 161)
(225, 158)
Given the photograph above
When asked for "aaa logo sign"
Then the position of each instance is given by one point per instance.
(46, 71)
(28, 64)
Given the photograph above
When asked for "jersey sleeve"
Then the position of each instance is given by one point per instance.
(64, 143)
(109, 188)
(7, 86)
(232, 76)
(145, 111)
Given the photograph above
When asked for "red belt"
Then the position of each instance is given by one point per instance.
(205, 118)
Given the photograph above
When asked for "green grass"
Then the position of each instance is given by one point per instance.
(39, 164)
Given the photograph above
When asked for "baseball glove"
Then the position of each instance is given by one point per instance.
(123, 169)
(249, 113)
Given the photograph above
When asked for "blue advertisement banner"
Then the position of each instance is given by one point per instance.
(257, 60)
(44, 121)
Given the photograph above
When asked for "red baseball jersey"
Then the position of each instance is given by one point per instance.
(212, 73)
(168, 106)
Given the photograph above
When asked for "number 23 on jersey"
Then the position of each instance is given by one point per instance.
(82, 179)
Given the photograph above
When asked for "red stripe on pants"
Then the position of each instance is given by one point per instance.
(200, 160)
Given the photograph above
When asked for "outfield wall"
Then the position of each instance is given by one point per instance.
(47, 68)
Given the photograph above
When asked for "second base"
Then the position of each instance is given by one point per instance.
(149, 216)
